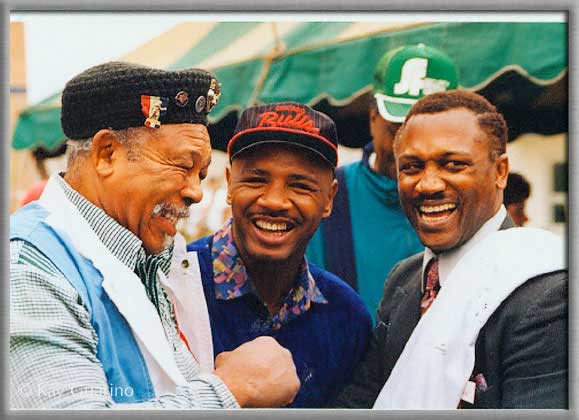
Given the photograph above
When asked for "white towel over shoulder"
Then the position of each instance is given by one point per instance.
(438, 359)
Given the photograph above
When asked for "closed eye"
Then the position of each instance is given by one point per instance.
(455, 165)
(302, 186)
(255, 180)
(410, 167)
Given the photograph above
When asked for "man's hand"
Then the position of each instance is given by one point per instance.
(259, 373)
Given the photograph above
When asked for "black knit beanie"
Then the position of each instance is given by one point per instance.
(120, 95)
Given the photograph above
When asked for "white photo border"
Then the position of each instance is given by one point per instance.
(301, 6)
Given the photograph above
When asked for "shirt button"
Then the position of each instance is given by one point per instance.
(185, 264)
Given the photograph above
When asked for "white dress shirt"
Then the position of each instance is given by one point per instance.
(448, 260)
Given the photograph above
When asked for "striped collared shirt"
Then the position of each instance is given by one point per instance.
(53, 344)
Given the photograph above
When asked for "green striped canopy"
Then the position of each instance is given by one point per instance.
(331, 63)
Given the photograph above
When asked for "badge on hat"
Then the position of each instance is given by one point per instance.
(213, 95)
(200, 104)
(182, 98)
(153, 107)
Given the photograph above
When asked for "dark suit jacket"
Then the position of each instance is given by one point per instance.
(521, 350)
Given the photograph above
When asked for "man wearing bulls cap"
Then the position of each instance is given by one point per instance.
(106, 307)
(367, 232)
(256, 279)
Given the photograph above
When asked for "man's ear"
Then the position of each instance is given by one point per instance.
(105, 151)
(373, 113)
(502, 171)
(228, 178)
(330, 201)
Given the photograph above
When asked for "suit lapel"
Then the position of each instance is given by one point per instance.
(507, 223)
(406, 312)
(404, 316)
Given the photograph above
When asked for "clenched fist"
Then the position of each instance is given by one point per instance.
(259, 373)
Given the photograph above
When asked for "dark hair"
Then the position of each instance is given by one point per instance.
(372, 104)
(518, 189)
(489, 119)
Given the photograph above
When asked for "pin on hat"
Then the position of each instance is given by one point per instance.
(182, 98)
(406, 74)
(153, 107)
(120, 95)
(286, 122)
(213, 94)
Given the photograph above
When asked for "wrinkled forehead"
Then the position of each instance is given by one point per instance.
(179, 143)
(457, 129)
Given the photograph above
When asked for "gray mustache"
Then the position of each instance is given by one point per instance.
(168, 209)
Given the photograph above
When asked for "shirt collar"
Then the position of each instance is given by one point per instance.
(448, 260)
(122, 243)
(231, 280)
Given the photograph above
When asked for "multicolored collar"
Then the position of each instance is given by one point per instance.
(231, 280)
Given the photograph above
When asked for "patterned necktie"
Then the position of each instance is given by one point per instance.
(432, 286)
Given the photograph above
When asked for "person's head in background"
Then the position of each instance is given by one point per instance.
(515, 197)
(401, 77)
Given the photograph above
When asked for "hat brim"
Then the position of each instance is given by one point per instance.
(254, 137)
(393, 109)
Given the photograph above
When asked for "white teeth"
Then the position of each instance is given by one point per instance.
(436, 209)
(274, 227)
(432, 219)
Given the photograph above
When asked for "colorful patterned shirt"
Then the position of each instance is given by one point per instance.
(232, 281)
(322, 322)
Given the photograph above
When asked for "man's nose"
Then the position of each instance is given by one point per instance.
(430, 182)
(192, 192)
(275, 197)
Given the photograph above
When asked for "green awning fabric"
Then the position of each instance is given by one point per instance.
(330, 64)
(482, 52)
(39, 125)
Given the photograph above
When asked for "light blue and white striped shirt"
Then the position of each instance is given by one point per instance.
(53, 344)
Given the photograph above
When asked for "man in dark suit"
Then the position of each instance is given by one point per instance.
(452, 170)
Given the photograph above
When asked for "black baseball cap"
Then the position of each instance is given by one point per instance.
(286, 122)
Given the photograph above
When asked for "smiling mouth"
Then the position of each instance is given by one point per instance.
(170, 212)
(274, 228)
(438, 213)
(171, 218)
(167, 223)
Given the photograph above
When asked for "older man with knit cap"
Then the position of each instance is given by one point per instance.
(106, 305)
